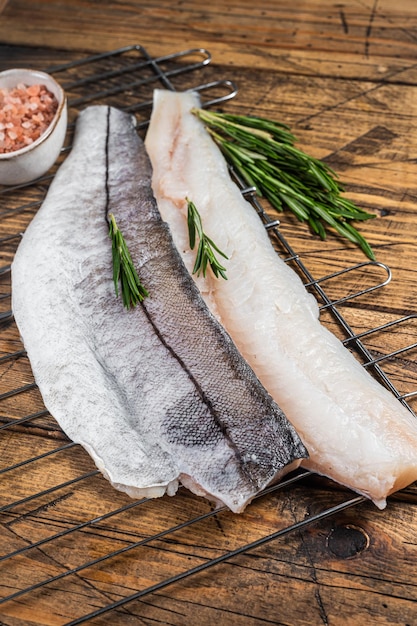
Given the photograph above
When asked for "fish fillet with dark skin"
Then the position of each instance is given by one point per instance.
(158, 394)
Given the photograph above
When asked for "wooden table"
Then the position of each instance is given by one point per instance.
(343, 76)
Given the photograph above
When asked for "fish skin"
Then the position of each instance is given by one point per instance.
(158, 395)
(357, 433)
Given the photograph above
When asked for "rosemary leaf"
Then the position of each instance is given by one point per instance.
(206, 247)
(317, 227)
(124, 272)
(263, 154)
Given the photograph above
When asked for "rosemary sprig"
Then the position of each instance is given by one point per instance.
(123, 269)
(206, 246)
(263, 154)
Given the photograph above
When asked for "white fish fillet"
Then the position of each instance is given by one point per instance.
(159, 394)
(356, 432)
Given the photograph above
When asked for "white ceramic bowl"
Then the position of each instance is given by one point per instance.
(34, 160)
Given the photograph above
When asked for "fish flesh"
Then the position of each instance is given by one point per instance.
(157, 394)
(356, 432)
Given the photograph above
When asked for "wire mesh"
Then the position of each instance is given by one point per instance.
(112, 527)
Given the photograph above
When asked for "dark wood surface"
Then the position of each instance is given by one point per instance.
(343, 76)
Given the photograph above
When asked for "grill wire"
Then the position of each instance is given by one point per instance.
(126, 78)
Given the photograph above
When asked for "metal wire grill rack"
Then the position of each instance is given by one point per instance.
(112, 527)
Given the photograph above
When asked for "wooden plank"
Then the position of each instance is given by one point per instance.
(351, 565)
(351, 40)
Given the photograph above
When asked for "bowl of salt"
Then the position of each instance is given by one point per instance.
(33, 124)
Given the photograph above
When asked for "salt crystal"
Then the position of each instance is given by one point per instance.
(25, 112)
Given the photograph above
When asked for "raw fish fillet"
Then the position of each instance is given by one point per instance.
(356, 432)
(157, 394)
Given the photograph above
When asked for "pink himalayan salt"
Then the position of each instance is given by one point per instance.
(25, 113)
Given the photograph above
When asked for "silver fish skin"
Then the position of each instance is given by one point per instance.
(158, 395)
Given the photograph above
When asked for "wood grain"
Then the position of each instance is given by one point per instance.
(343, 76)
